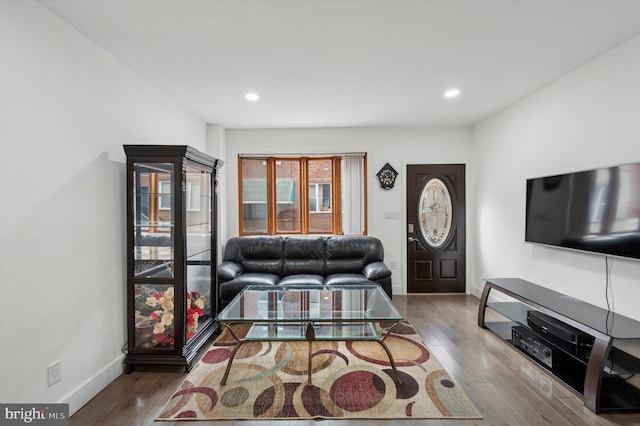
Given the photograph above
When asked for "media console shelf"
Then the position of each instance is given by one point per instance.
(602, 363)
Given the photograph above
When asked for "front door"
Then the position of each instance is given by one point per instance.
(435, 228)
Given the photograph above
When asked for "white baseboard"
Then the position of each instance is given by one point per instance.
(90, 388)
(476, 291)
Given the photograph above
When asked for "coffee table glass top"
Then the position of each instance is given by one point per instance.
(310, 313)
(311, 303)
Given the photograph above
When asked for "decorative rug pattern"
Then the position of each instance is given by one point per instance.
(268, 380)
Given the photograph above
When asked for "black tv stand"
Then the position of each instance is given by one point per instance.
(603, 372)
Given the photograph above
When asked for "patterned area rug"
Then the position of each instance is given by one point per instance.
(350, 380)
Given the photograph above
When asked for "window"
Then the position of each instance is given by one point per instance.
(319, 197)
(321, 177)
(254, 196)
(164, 196)
(302, 195)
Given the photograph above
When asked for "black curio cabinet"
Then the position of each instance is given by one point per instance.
(171, 253)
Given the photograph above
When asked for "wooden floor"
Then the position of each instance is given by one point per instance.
(505, 387)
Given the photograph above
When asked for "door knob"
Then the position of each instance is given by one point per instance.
(411, 239)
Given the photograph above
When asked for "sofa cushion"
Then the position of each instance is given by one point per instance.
(302, 279)
(256, 254)
(352, 254)
(303, 255)
(345, 278)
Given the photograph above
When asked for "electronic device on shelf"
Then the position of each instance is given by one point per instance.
(536, 347)
(559, 332)
(587, 211)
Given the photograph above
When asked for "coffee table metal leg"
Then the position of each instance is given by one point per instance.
(233, 353)
(226, 371)
(309, 363)
(391, 360)
(311, 336)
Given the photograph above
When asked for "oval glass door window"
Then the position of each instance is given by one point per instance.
(435, 213)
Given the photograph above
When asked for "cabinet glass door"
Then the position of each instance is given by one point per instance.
(198, 203)
(153, 254)
(153, 232)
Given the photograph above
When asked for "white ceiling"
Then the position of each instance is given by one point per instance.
(351, 63)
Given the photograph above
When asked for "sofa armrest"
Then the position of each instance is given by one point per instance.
(229, 270)
(376, 271)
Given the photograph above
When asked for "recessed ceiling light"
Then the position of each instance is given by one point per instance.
(452, 93)
(252, 97)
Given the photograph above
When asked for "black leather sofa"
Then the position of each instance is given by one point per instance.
(300, 260)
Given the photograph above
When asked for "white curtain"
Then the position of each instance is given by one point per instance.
(352, 174)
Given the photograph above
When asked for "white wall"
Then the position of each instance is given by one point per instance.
(217, 147)
(398, 146)
(67, 107)
(589, 118)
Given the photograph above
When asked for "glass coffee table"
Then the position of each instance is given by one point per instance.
(310, 313)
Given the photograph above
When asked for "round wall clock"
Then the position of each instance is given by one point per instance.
(387, 176)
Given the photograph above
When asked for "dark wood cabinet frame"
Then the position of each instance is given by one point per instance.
(183, 351)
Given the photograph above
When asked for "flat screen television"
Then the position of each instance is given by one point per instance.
(594, 211)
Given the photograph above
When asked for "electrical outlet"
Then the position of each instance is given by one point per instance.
(54, 373)
(393, 264)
